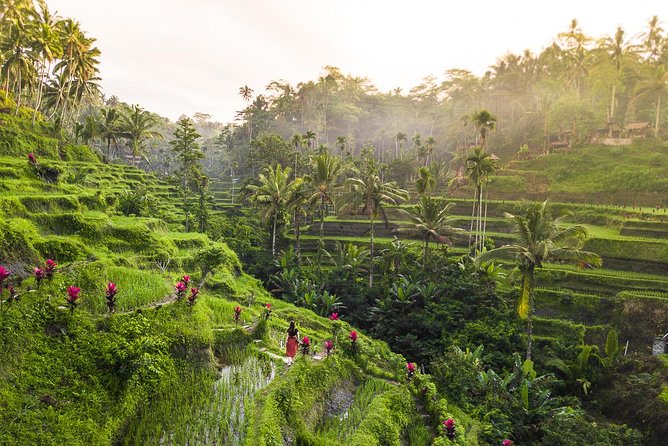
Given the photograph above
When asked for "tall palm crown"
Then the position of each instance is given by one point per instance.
(431, 221)
(540, 239)
(479, 165)
(323, 183)
(484, 121)
(138, 125)
(372, 194)
(272, 196)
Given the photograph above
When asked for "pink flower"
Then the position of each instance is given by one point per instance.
(410, 367)
(329, 345)
(50, 268)
(449, 423)
(353, 336)
(237, 314)
(73, 294)
(306, 341)
(334, 317)
(507, 442)
(111, 290)
(39, 275)
(4, 273)
(186, 279)
(194, 292)
(268, 307)
(32, 159)
(180, 288)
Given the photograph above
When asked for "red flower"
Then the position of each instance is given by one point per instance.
(449, 423)
(507, 442)
(329, 345)
(111, 290)
(50, 268)
(193, 296)
(180, 288)
(353, 336)
(186, 279)
(268, 307)
(32, 159)
(39, 275)
(410, 366)
(73, 294)
(306, 341)
(4, 273)
(267, 311)
(237, 314)
(334, 317)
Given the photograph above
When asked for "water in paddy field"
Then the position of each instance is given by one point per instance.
(204, 411)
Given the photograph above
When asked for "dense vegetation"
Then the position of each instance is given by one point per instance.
(146, 309)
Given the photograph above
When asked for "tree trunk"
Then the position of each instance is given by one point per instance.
(479, 232)
(530, 315)
(298, 239)
(473, 205)
(484, 223)
(426, 251)
(371, 252)
(38, 100)
(658, 111)
(273, 236)
(612, 108)
(322, 229)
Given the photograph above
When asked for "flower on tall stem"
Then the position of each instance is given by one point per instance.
(4, 274)
(410, 369)
(181, 289)
(110, 294)
(13, 295)
(194, 293)
(32, 159)
(39, 275)
(329, 345)
(267, 311)
(306, 345)
(50, 268)
(237, 314)
(334, 317)
(186, 279)
(73, 297)
(353, 340)
(507, 442)
(449, 426)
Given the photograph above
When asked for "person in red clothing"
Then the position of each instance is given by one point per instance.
(291, 343)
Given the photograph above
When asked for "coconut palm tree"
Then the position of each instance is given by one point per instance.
(479, 165)
(399, 140)
(370, 192)
(109, 127)
(18, 67)
(341, 143)
(297, 204)
(272, 195)
(617, 48)
(323, 184)
(484, 122)
(540, 239)
(137, 126)
(310, 137)
(431, 221)
(46, 44)
(655, 84)
(426, 182)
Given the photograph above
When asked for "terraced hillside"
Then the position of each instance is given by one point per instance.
(159, 371)
(572, 303)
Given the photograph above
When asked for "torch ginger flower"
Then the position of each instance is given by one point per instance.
(110, 294)
(449, 426)
(267, 311)
(39, 275)
(180, 288)
(329, 345)
(334, 317)
(410, 369)
(50, 268)
(4, 273)
(353, 336)
(73, 296)
(507, 442)
(186, 280)
(194, 292)
(306, 344)
(32, 159)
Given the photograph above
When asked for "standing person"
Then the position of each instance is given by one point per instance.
(291, 343)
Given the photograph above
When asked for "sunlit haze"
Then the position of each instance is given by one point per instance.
(184, 57)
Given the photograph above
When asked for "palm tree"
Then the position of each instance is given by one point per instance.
(310, 137)
(399, 140)
(653, 40)
(297, 201)
(431, 221)
(370, 192)
(17, 60)
(479, 165)
(541, 239)
(323, 183)
(429, 149)
(46, 44)
(484, 122)
(655, 84)
(426, 182)
(246, 93)
(341, 143)
(617, 48)
(109, 128)
(137, 126)
(272, 195)
(298, 141)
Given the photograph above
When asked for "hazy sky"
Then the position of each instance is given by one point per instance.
(181, 57)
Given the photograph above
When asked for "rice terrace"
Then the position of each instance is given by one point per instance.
(333, 223)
